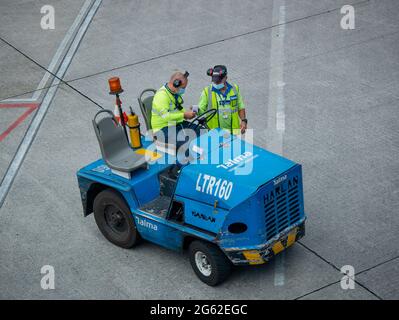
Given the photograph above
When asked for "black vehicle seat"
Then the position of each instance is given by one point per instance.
(145, 104)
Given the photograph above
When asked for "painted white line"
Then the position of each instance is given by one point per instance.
(279, 276)
(276, 112)
(57, 56)
(48, 98)
(18, 100)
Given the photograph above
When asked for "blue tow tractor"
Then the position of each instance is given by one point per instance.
(242, 210)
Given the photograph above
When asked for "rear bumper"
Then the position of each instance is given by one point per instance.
(274, 246)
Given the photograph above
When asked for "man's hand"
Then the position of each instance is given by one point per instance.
(189, 115)
(243, 126)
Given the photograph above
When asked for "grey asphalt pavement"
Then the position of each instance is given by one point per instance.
(336, 90)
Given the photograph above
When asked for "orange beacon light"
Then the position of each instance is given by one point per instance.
(115, 86)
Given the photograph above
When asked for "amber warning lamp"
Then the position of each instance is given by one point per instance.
(115, 86)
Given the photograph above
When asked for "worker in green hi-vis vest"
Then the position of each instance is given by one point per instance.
(167, 105)
(225, 97)
(168, 116)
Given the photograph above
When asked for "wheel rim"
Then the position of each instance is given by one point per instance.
(203, 264)
(115, 219)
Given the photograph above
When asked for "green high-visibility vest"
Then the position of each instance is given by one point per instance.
(164, 110)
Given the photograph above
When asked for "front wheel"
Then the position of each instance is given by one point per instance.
(209, 263)
(114, 219)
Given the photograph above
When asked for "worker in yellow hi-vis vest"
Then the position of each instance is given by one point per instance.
(225, 97)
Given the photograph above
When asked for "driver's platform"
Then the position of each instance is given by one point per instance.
(167, 185)
(159, 206)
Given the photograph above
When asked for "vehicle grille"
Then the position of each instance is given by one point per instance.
(282, 210)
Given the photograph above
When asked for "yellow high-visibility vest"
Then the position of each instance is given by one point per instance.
(227, 107)
(164, 110)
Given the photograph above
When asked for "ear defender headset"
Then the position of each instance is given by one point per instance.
(177, 83)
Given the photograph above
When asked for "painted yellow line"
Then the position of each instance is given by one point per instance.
(149, 154)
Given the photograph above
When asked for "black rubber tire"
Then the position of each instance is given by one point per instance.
(110, 200)
(220, 264)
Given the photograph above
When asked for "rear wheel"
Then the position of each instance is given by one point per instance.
(209, 263)
(114, 219)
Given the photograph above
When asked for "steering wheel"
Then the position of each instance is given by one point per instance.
(202, 119)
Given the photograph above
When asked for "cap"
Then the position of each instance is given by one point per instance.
(218, 73)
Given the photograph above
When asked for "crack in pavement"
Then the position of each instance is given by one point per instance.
(336, 268)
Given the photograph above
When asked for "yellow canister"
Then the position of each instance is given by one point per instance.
(134, 130)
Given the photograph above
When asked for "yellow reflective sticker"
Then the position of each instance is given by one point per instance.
(149, 154)
(291, 237)
(253, 257)
(277, 247)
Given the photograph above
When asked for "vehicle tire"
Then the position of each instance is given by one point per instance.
(114, 219)
(209, 263)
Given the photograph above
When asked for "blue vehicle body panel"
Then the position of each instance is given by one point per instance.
(278, 205)
(99, 173)
(254, 168)
(144, 184)
(164, 232)
(157, 230)
(203, 216)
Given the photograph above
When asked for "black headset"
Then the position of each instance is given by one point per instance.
(177, 83)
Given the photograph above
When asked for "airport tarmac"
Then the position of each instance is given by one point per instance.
(325, 97)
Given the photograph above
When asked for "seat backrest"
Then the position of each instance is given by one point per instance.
(146, 106)
(115, 148)
(111, 137)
